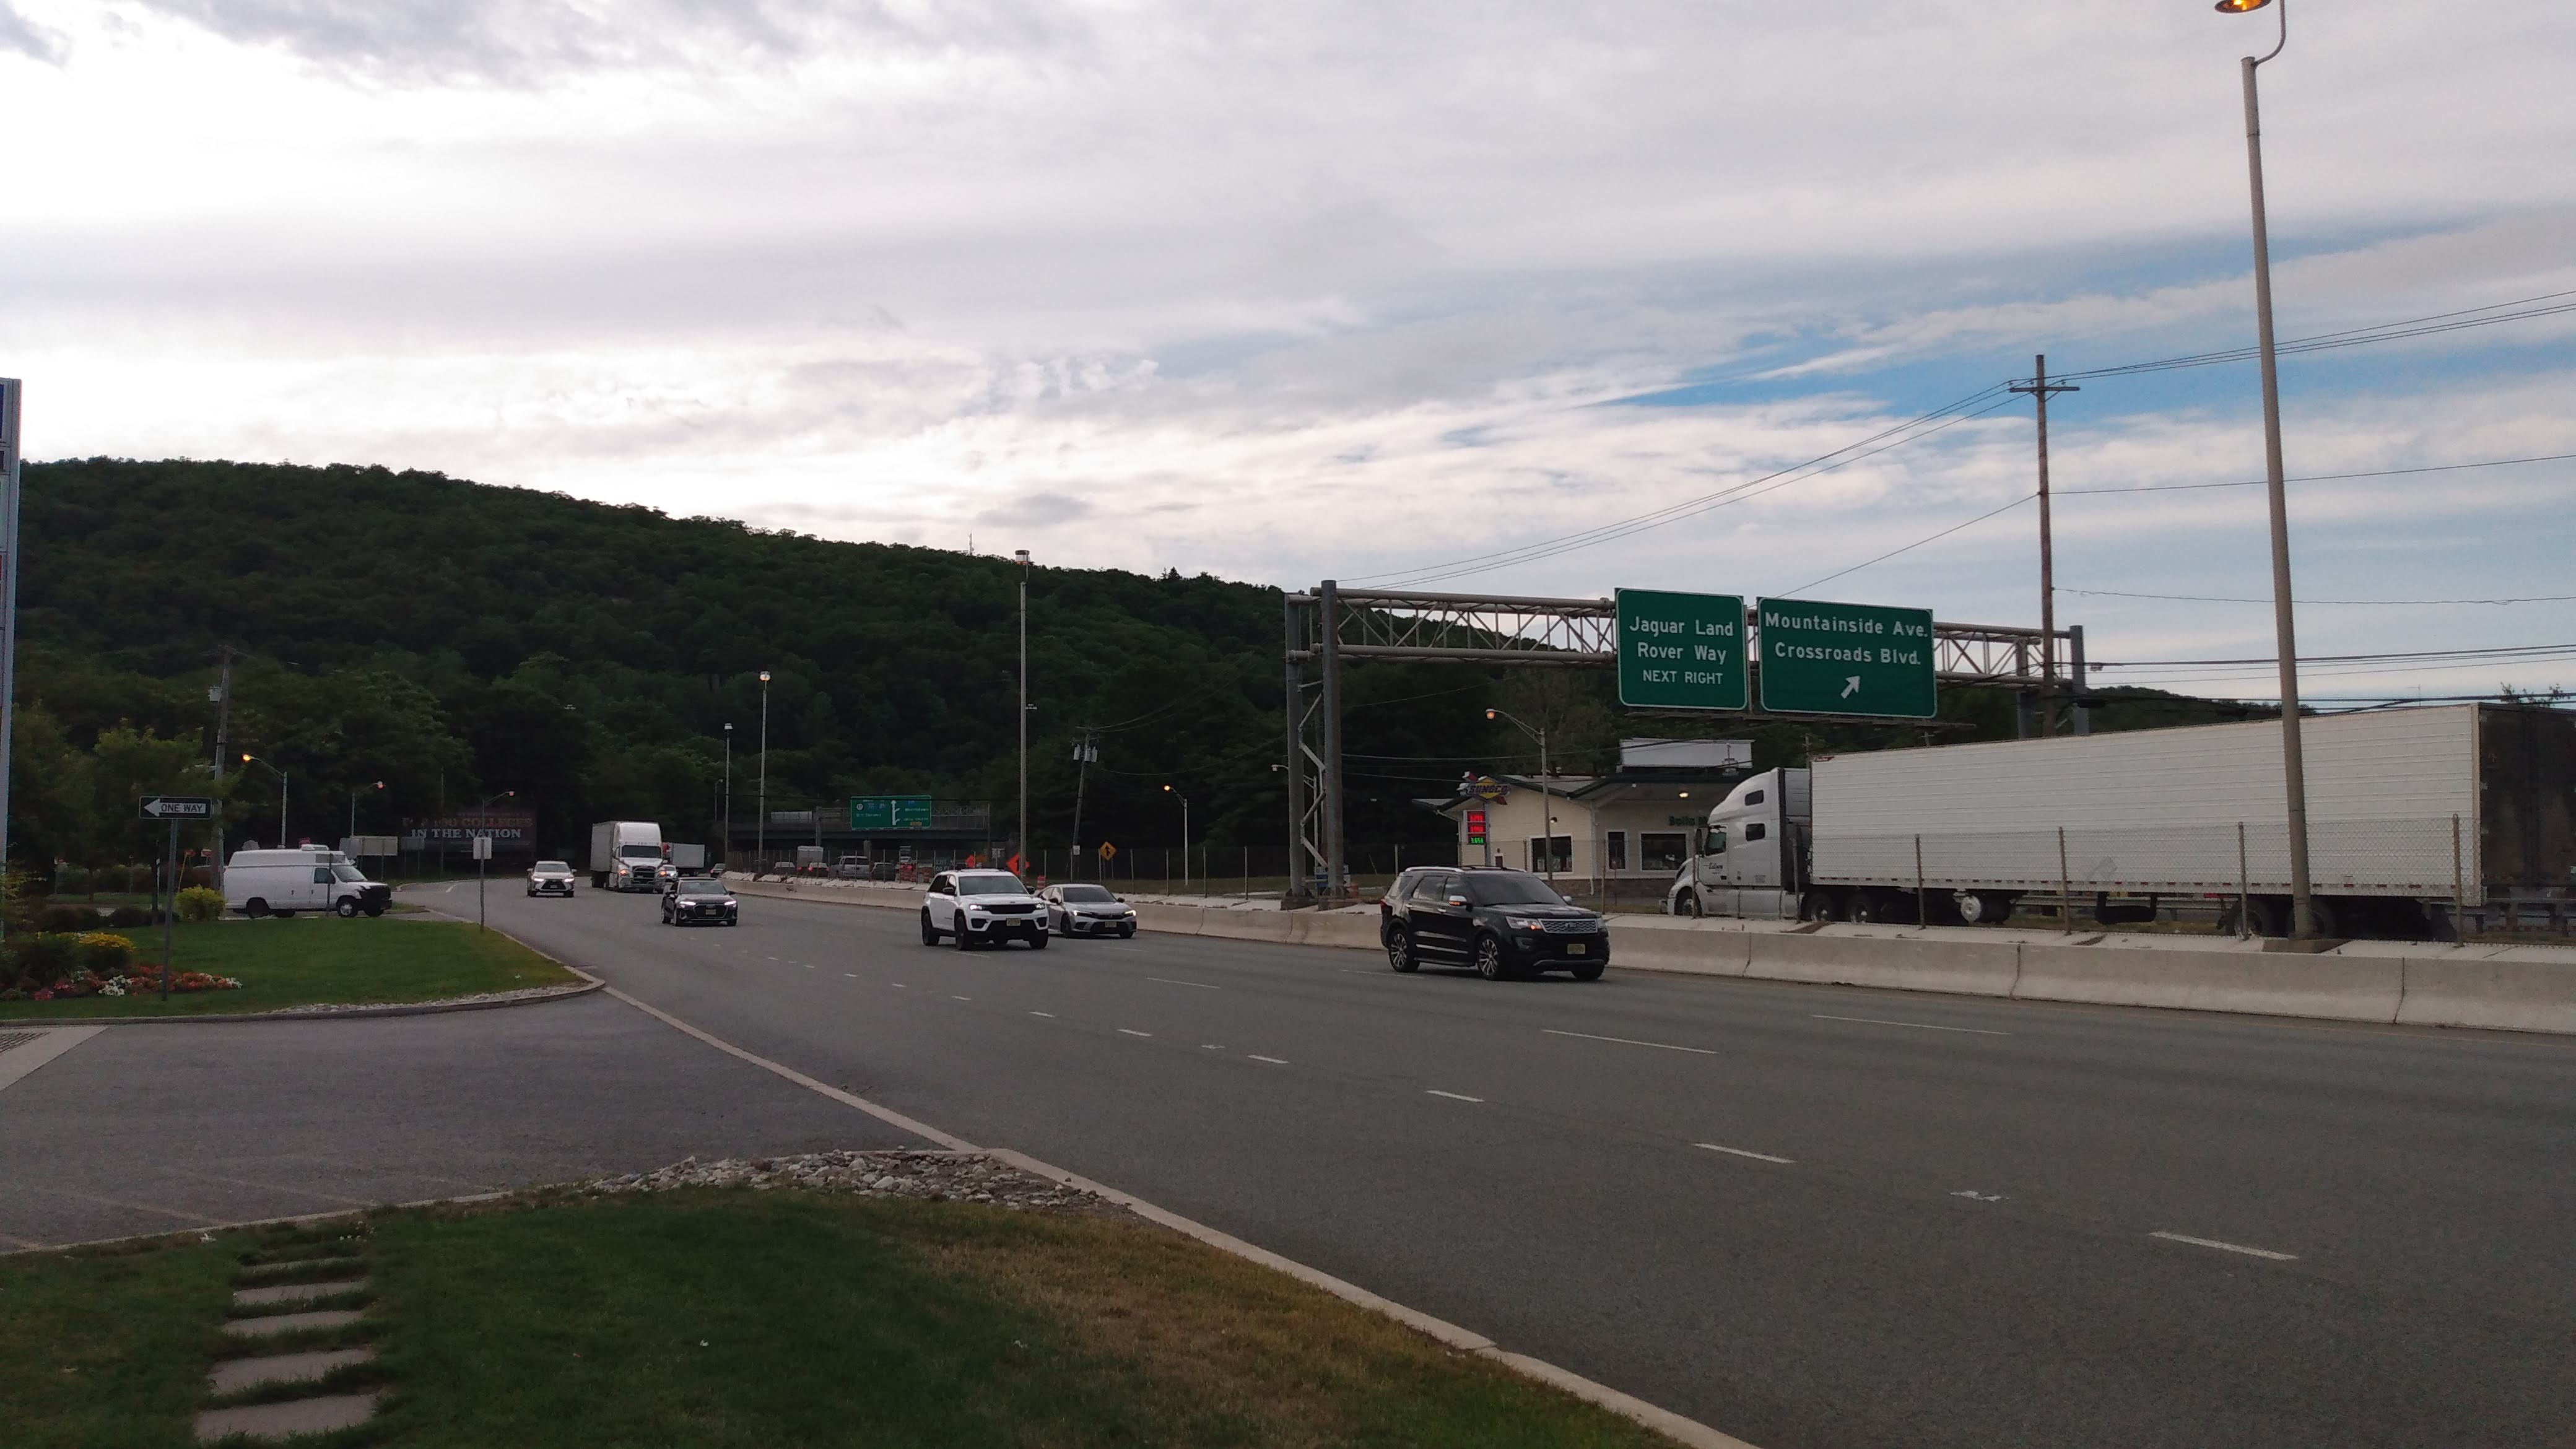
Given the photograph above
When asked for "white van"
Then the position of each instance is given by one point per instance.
(282, 882)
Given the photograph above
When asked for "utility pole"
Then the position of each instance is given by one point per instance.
(2039, 388)
(1020, 857)
(1084, 754)
(10, 562)
(760, 822)
(223, 696)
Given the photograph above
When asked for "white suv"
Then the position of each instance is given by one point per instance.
(981, 907)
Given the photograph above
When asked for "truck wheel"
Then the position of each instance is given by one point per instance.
(1489, 958)
(255, 908)
(1820, 906)
(1687, 904)
(1869, 910)
(345, 909)
(1982, 908)
(374, 911)
(1399, 950)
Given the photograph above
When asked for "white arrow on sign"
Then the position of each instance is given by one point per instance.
(160, 806)
(1851, 685)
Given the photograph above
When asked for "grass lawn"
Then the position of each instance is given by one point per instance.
(307, 959)
(740, 1318)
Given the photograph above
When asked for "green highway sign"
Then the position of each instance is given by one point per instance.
(889, 812)
(1846, 659)
(1681, 651)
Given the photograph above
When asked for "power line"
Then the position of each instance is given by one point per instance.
(2394, 603)
(2528, 307)
(2500, 652)
(1918, 543)
(2330, 477)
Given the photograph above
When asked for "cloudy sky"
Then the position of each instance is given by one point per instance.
(1386, 291)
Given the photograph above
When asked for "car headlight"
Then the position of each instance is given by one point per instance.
(1529, 925)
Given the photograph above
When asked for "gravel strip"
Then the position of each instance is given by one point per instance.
(927, 1176)
(521, 994)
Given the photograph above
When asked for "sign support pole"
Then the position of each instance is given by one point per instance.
(170, 911)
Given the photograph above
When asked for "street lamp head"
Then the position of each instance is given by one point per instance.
(1021, 554)
(2240, 7)
(764, 676)
(1493, 713)
(1167, 789)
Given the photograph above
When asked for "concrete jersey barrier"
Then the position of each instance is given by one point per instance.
(2517, 988)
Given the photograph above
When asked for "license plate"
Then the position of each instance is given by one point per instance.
(1578, 948)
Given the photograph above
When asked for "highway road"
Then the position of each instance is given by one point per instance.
(1814, 1218)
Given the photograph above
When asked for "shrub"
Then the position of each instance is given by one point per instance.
(103, 954)
(199, 903)
(40, 961)
(138, 878)
(69, 918)
(134, 916)
(71, 880)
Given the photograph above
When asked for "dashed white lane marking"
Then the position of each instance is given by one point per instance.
(961, 998)
(1970, 1192)
(1740, 1152)
(1201, 985)
(901, 985)
(1049, 1015)
(1452, 1096)
(853, 975)
(1917, 1025)
(1209, 1046)
(1131, 1031)
(1631, 1041)
(2226, 1247)
(1274, 1061)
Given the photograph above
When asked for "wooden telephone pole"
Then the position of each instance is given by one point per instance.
(2039, 388)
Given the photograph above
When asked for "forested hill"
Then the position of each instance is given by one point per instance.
(409, 627)
(455, 641)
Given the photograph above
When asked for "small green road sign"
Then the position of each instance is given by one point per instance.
(1681, 651)
(889, 812)
(1846, 659)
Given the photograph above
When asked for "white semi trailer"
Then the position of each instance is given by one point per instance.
(2415, 817)
(626, 855)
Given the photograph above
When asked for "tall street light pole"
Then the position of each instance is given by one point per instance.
(724, 841)
(1185, 836)
(2294, 773)
(1023, 863)
(760, 827)
(1547, 800)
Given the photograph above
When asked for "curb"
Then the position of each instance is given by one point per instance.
(345, 1013)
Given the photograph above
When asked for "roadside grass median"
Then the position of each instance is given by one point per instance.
(727, 1317)
(315, 960)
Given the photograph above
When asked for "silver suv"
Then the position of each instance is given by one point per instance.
(981, 908)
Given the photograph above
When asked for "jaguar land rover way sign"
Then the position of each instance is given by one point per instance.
(1680, 651)
(1857, 659)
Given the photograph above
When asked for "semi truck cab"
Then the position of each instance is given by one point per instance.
(1749, 859)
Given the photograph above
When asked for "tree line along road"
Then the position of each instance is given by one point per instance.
(1809, 1217)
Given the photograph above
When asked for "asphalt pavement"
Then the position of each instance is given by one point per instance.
(151, 1128)
(1807, 1216)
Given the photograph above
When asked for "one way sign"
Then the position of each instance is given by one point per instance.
(177, 807)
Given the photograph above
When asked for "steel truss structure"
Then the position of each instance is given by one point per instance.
(1330, 626)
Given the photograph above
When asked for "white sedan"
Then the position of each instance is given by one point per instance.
(1087, 910)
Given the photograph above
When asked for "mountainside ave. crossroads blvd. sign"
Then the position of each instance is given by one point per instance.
(1680, 651)
(175, 807)
(1852, 659)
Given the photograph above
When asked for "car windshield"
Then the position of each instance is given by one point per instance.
(639, 852)
(1087, 893)
(348, 873)
(707, 889)
(1511, 890)
(553, 867)
(994, 884)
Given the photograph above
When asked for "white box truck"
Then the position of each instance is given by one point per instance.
(626, 855)
(311, 878)
(2415, 816)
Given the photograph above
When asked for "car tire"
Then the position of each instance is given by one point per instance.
(1687, 904)
(964, 941)
(1126, 933)
(255, 907)
(1489, 958)
(1038, 942)
(929, 932)
(1590, 970)
(1399, 950)
(346, 910)
(375, 911)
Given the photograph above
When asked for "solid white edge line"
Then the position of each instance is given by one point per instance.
(1663, 1421)
(1049, 1015)
(1274, 1061)
(2226, 1247)
(1740, 1152)
(1201, 985)
(1452, 1096)
(1664, 1046)
(1915, 1025)
(1131, 1031)
(18, 1061)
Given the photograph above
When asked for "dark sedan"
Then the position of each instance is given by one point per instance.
(700, 902)
(1504, 923)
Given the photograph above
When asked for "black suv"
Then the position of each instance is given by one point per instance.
(697, 901)
(1502, 922)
